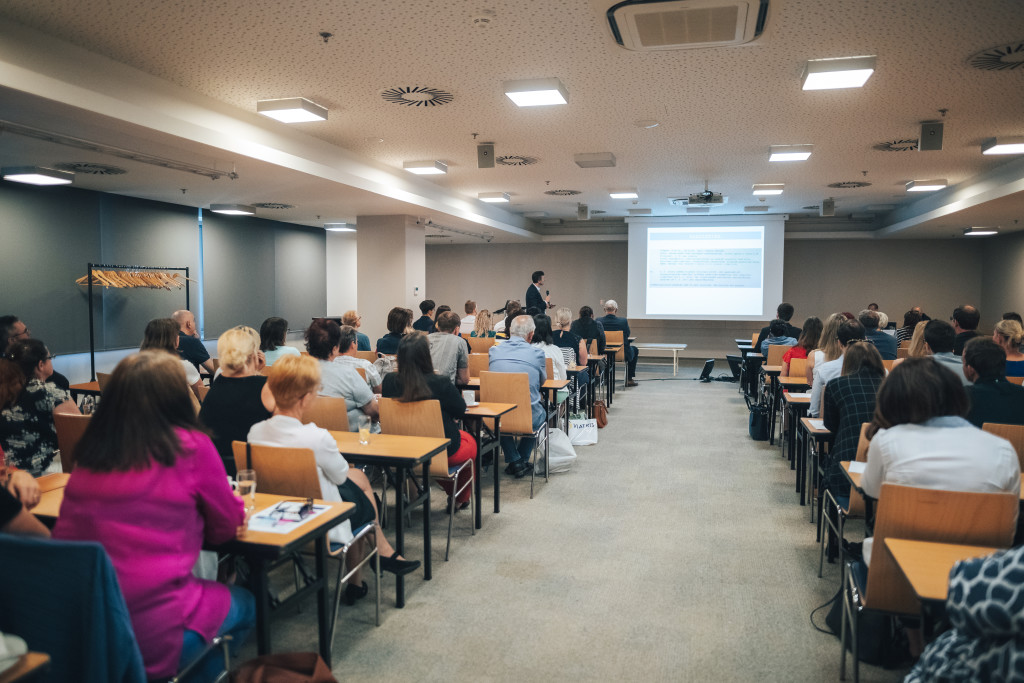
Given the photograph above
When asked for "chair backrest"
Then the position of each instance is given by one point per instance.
(775, 354)
(367, 355)
(203, 391)
(916, 514)
(281, 471)
(903, 344)
(327, 412)
(216, 364)
(1012, 433)
(1016, 380)
(797, 367)
(362, 373)
(888, 365)
(102, 378)
(549, 367)
(903, 352)
(415, 418)
(856, 506)
(615, 337)
(480, 344)
(753, 340)
(70, 428)
(196, 405)
(478, 362)
(509, 387)
(592, 349)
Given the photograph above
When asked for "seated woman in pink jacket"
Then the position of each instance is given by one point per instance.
(149, 486)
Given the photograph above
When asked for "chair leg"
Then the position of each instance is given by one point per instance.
(451, 516)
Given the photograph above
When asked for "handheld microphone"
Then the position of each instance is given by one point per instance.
(547, 292)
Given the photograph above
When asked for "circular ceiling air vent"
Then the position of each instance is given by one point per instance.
(417, 96)
(849, 185)
(999, 58)
(897, 146)
(89, 168)
(273, 205)
(563, 193)
(516, 160)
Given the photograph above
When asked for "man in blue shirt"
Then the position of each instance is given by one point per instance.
(612, 321)
(778, 335)
(885, 343)
(519, 355)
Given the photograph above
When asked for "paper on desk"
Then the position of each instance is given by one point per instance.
(857, 467)
(270, 520)
(805, 394)
(817, 424)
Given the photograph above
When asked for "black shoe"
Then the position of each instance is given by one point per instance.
(632, 383)
(518, 469)
(353, 593)
(395, 566)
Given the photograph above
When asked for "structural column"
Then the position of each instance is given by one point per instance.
(391, 268)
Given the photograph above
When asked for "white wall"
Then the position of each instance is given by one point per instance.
(341, 275)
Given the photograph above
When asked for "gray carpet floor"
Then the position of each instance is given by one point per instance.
(674, 550)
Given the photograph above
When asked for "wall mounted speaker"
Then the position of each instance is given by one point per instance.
(485, 155)
(828, 207)
(582, 212)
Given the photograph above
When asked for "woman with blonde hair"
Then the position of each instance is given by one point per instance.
(239, 397)
(295, 382)
(916, 348)
(1009, 334)
(482, 325)
(829, 347)
(353, 319)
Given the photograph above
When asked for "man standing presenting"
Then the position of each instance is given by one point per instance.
(448, 350)
(519, 355)
(535, 298)
(189, 346)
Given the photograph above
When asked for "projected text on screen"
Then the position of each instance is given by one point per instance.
(705, 271)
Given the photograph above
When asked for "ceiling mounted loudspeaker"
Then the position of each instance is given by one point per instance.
(645, 25)
(582, 212)
(931, 137)
(828, 207)
(485, 155)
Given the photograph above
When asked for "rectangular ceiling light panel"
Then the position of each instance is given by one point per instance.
(832, 74)
(292, 110)
(926, 185)
(536, 92)
(37, 175)
(790, 152)
(684, 24)
(769, 189)
(1003, 146)
(426, 167)
(594, 160)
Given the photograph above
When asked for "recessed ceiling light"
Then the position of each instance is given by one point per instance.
(594, 160)
(790, 152)
(37, 175)
(759, 207)
(426, 167)
(769, 189)
(338, 227)
(926, 185)
(536, 92)
(1003, 146)
(623, 194)
(844, 72)
(493, 197)
(639, 212)
(980, 232)
(233, 209)
(292, 110)
(535, 214)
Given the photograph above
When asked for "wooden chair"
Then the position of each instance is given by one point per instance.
(902, 352)
(480, 344)
(478, 362)
(888, 365)
(362, 373)
(798, 367)
(612, 337)
(775, 354)
(965, 518)
(1016, 380)
(853, 509)
(1012, 433)
(367, 355)
(514, 387)
(753, 340)
(70, 428)
(423, 418)
(293, 472)
(203, 391)
(327, 412)
(102, 378)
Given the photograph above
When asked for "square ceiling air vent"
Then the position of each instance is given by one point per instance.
(644, 25)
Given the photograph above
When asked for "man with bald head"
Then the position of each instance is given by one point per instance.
(965, 323)
(519, 355)
(189, 346)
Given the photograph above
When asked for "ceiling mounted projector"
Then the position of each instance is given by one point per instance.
(706, 197)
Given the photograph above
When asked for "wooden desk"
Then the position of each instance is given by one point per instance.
(852, 477)
(262, 550)
(771, 373)
(820, 436)
(572, 372)
(30, 666)
(674, 348)
(796, 407)
(476, 414)
(610, 351)
(927, 565)
(90, 388)
(401, 454)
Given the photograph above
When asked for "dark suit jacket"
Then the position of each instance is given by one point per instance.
(791, 331)
(995, 400)
(587, 329)
(885, 343)
(424, 324)
(961, 339)
(535, 299)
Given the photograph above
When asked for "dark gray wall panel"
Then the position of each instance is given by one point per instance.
(301, 274)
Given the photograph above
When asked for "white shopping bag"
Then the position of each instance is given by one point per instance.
(561, 454)
(583, 432)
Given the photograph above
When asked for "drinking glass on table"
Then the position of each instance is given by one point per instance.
(364, 429)
(246, 482)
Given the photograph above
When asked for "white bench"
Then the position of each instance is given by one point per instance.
(673, 348)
